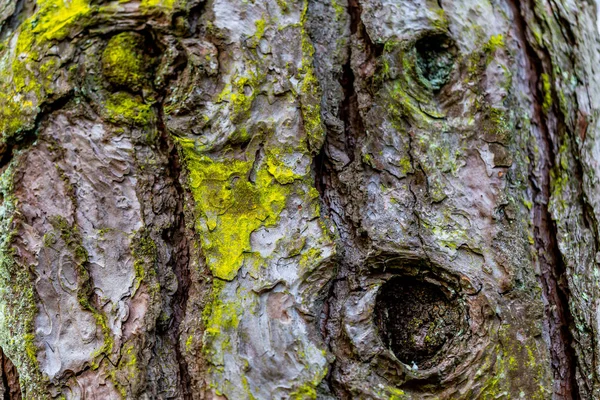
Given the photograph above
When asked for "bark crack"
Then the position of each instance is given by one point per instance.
(10, 379)
(552, 268)
(176, 237)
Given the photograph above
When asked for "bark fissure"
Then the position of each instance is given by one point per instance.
(552, 268)
(10, 379)
(176, 237)
(12, 22)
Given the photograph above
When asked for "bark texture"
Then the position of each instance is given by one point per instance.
(274, 199)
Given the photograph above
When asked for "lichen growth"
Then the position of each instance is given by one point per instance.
(219, 315)
(18, 308)
(241, 92)
(158, 6)
(260, 25)
(244, 187)
(515, 370)
(310, 96)
(123, 61)
(277, 167)
(126, 108)
(230, 207)
(308, 390)
(21, 86)
(340, 10)
(71, 237)
(495, 42)
(547, 92)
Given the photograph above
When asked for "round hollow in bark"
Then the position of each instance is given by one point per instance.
(435, 59)
(416, 319)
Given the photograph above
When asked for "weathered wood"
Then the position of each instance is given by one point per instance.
(331, 199)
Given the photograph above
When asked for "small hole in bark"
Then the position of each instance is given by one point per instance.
(435, 59)
(416, 320)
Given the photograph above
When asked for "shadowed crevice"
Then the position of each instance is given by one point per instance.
(552, 268)
(10, 379)
(176, 237)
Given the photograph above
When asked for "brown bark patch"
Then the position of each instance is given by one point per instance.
(10, 379)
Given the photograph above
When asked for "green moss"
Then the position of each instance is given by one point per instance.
(126, 108)
(123, 61)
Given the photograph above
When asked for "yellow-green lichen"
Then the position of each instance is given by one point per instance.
(277, 167)
(396, 394)
(241, 92)
(163, 6)
(310, 95)
(18, 308)
(21, 86)
(145, 253)
(340, 10)
(126, 108)
(127, 371)
(220, 315)
(123, 61)
(515, 370)
(495, 42)
(260, 25)
(547, 92)
(73, 241)
(440, 21)
(230, 207)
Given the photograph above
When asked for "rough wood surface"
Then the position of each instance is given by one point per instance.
(274, 199)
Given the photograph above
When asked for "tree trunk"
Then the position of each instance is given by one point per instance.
(299, 199)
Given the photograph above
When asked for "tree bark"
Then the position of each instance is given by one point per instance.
(274, 199)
